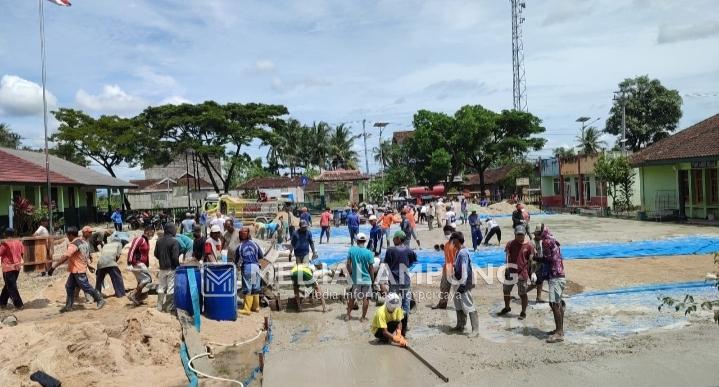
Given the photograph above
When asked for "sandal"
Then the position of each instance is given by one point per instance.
(555, 339)
(522, 316)
(504, 311)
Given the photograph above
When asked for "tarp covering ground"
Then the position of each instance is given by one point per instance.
(432, 260)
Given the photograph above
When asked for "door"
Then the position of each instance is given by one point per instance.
(683, 192)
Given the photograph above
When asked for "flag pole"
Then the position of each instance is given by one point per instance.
(44, 113)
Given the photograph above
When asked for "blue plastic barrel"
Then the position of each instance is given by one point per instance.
(219, 291)
(183, 297)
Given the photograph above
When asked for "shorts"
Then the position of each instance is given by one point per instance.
(521, 288)
(444, 285)
(303, 258)
(556, 289)
(361, 292)
(464, 302)
(141, 274)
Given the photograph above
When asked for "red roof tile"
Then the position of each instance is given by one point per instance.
(341, 175)
(698, 141)
(491, 176)
(17, 170)
(270, 182)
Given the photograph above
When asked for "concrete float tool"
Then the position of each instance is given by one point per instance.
(426, 363)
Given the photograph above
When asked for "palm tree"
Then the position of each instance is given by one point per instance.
(319, 135)
(341, 154)
(589, 141)
(383, 153)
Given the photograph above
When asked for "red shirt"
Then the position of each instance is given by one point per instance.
(213, 248)
(11, 255)
(325, 219)
(412, 221)
(520, 254)
(139, 251)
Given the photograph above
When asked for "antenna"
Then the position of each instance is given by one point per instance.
(519, 85)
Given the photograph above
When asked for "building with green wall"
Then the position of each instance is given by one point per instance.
(679, 175)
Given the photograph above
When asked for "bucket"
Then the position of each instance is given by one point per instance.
(183, 297)
(219, 291)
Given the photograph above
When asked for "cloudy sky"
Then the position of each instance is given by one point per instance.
(345, 61)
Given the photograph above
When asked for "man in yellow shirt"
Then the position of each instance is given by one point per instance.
(387, 321)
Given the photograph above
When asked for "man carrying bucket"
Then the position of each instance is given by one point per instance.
(247, 258)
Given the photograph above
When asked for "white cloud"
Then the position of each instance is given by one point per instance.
(155, 79)
(112, 99)
(671, 34)
(20, 97)
(175, 100)
(264, 65)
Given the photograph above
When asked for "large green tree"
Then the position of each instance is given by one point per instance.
(435, 135)
(485, 136)
(108, 140)
(617, 172)
(70, 153)
(211, 131)
(8, 138)
(652, 112)
(590, 141)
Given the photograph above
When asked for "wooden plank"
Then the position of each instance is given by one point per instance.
(194, 343)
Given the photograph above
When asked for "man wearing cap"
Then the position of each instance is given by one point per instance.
(447, 269)
(325, 224)
(188, 224)
(77, 257)
(213, 245)
(359, 265)
(218, 221)
(138, 261)
(301, 243)
(167, 252)
(387, 220)
(387, 321)
(247, 259)
(551, 256)
(116, 218)
(305, 215)
(375, 237)
(107, 265)
(399, 259)
(12, 252)
(519, 252)
(475, 225)
(353, 223)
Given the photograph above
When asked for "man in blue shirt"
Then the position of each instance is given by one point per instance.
(116, 218)
(301, 242)
(375, 237)
(247, 259)
(305, 215)
(359, 266)
(399, 259)
(353, 223)
(463, 277)
(475, 225)
(406, 227)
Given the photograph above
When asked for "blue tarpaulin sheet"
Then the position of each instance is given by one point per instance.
(332, 253)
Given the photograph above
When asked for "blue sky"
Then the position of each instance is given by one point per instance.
(344, 61)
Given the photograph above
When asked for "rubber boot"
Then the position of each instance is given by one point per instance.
(461, 321)
(68, 304)
(246, 309)
(474, 320)
(255, 302)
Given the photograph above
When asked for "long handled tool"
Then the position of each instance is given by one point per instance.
(425, 362)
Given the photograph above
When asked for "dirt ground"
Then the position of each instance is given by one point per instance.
(119, 345)
(513, 352)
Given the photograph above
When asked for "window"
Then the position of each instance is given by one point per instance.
(587, 190)
(684, 179)
(697, 186)
(71, 196)
(599, 188)
(713, 185)
(555, 185)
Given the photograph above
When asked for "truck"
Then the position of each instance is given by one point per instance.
(247, 210)
(418, 194)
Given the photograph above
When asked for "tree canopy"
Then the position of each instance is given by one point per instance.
(8, 138)
(652, 112)
(590, 142)
(618, 173)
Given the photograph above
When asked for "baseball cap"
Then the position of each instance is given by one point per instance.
(520, 230)
(215, 228)
(538, 229)
(373, 217)
(399, 234)
(361, 237)
(303, 223)
(87, 229)
(392, 302)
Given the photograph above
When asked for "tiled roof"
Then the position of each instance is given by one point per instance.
(698, 141)
(76, 173)
(400, 136)
(341, 175)
(270, 182)
(17, 170)
(491, 176)
(160, 185)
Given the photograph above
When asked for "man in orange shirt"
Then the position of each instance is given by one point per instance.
(387, 221)
(11, 257)
(444, 286)
(411, 214)
(77, 257)
(325, 224)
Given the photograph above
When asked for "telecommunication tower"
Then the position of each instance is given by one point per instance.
(519, 85)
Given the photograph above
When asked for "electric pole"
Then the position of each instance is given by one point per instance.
(366, 160)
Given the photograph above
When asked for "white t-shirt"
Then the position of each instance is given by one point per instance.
(423, 210)
(218, 222)
(41, 232)
(491, 224)
(451, 218)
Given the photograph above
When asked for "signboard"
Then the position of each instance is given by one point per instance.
(703, 164)
(304, 180)
(522, 181)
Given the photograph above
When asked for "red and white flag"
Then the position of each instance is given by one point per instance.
(64, 3)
